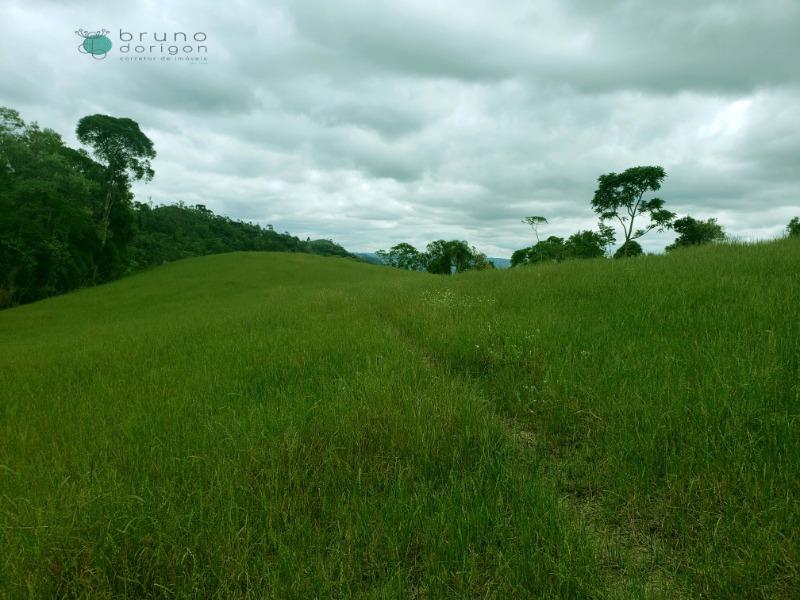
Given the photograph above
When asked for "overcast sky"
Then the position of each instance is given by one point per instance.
(374, 122)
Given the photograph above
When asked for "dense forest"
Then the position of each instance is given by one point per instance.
(175, 231)
(69, 219)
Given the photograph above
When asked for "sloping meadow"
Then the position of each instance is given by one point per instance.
(272, 425)
(664, 393)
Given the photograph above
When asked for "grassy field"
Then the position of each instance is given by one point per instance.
(288, 426)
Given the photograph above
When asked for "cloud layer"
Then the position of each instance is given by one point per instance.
(374, 123)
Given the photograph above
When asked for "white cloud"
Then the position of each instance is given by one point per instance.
(374, 123)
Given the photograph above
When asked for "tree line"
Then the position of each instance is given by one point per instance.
(440, 257)
(68, 218)
(174, 231)
(619, 202)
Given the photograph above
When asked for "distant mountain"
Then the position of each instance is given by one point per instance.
(370, 257)
(501, 263)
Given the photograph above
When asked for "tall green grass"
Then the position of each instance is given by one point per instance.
(269, 425)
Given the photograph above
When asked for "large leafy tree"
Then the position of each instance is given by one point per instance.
(694, 232)
(444, 257)
(439, 259)
(621, 196)
(461, 255)
(404, 256)
(124, 151)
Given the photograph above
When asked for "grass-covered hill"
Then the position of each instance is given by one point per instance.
(289, 426)
(68, 221)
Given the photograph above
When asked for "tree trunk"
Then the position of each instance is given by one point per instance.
(104, 224)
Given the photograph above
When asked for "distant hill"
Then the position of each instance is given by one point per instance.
(501, 263)
(369, 257)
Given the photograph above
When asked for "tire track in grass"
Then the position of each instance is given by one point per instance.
(629, 560)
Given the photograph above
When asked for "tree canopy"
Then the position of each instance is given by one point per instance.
(793, 228)
(441, 257)
(620, 196)
(175, 231)
(403, 256)
(583, 244)
(534, 223)
(629, 249)
(49, 202)
(694, 232)
(125, 152)
(119, 144)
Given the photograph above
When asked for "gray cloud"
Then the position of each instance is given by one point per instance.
(374, 123)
